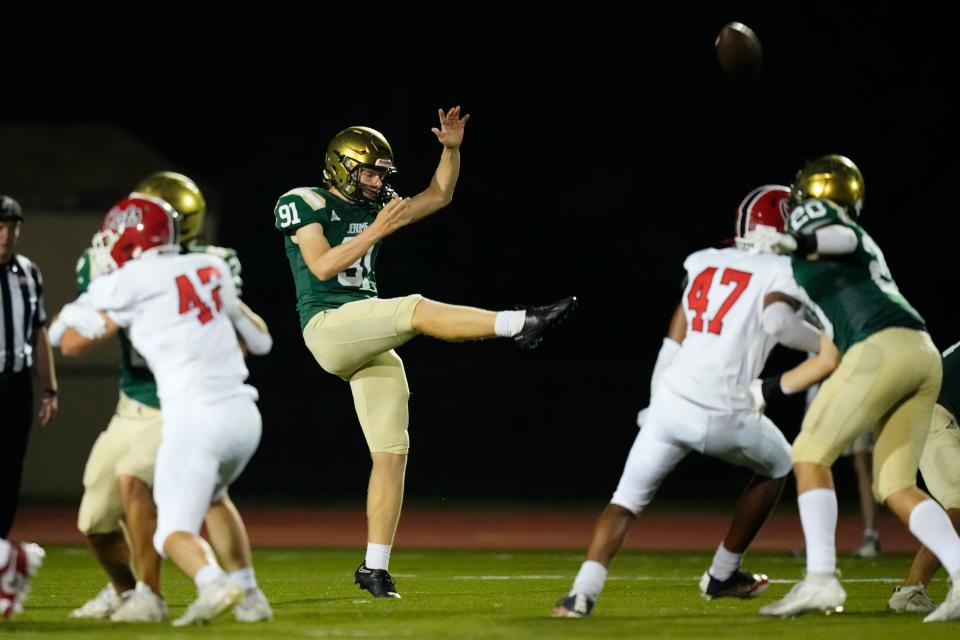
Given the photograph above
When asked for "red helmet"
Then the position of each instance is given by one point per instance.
(133, 225)
(765, 206)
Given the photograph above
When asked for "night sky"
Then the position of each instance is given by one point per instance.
(604, 145)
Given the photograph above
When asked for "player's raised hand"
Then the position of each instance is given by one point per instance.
(450, 133)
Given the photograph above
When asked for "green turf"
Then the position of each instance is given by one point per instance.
(486, 595)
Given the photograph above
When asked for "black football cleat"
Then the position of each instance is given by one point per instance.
(575, 605)
(539, 319)
(740, 585)
(376, 581)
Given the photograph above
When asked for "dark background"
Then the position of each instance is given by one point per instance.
(604, 145)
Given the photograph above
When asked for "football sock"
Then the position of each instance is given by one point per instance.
(725, 563)
(378, 556)
(590, 579)
(818, 516)
(931, 525)
(509, 323)
(244, 578)
(208, 574)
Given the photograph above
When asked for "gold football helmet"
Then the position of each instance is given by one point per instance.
(181, 193)
(351, 149)
(833, 177)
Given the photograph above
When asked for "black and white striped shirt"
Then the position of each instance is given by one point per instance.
(21, 313)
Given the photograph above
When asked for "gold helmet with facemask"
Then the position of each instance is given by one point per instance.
(349, 151)
(832, 177)
(181, 193)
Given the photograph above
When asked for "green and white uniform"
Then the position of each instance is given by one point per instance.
(341, 222)
(350, 331)
(852, 293)
(889, 375)
(940, 464)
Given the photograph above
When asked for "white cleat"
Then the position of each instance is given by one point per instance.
(254, 607)
(869, 549)
(823, 594)
(214, 599)
(911, 599)
(949, 610)
(142, 605)
(102, 605)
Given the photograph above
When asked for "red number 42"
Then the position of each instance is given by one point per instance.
(697, 296)
(190, 300)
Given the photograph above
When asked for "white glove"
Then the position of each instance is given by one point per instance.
(764, 239)
(642, 417)
(756, 396)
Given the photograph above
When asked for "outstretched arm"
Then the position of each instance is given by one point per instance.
(812, 370)
(75, 343)
(815, 369)
(440, 192)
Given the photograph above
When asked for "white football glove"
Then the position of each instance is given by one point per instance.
(756, 396)
(765, 239)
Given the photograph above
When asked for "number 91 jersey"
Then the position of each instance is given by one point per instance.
(177, 311)
(725, 346)
(341, 221)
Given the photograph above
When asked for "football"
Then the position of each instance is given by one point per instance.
(738, 50)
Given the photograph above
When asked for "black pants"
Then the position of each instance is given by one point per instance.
(16, 418)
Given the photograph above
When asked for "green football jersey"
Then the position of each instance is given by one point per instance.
(854, 292)
(950, 390)
(136, 380)
(341, 222)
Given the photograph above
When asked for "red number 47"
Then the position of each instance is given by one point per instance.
(697, 296)
(190, 300)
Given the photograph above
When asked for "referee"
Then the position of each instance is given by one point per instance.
(23, 345)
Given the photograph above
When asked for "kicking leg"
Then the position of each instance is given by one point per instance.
(455, 323)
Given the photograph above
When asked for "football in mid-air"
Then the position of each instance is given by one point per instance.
(738, 50)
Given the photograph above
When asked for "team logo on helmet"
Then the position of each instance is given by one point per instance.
(128, 215)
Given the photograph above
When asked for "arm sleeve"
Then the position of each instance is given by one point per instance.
(80, 316)
(836, 239)
(789, 328)
(114, 294)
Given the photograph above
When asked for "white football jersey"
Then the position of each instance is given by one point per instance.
(175, 308)
(726, 347)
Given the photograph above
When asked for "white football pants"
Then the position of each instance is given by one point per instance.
(675, 426)
(204, 447)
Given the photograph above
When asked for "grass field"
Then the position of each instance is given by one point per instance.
(448, 594)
